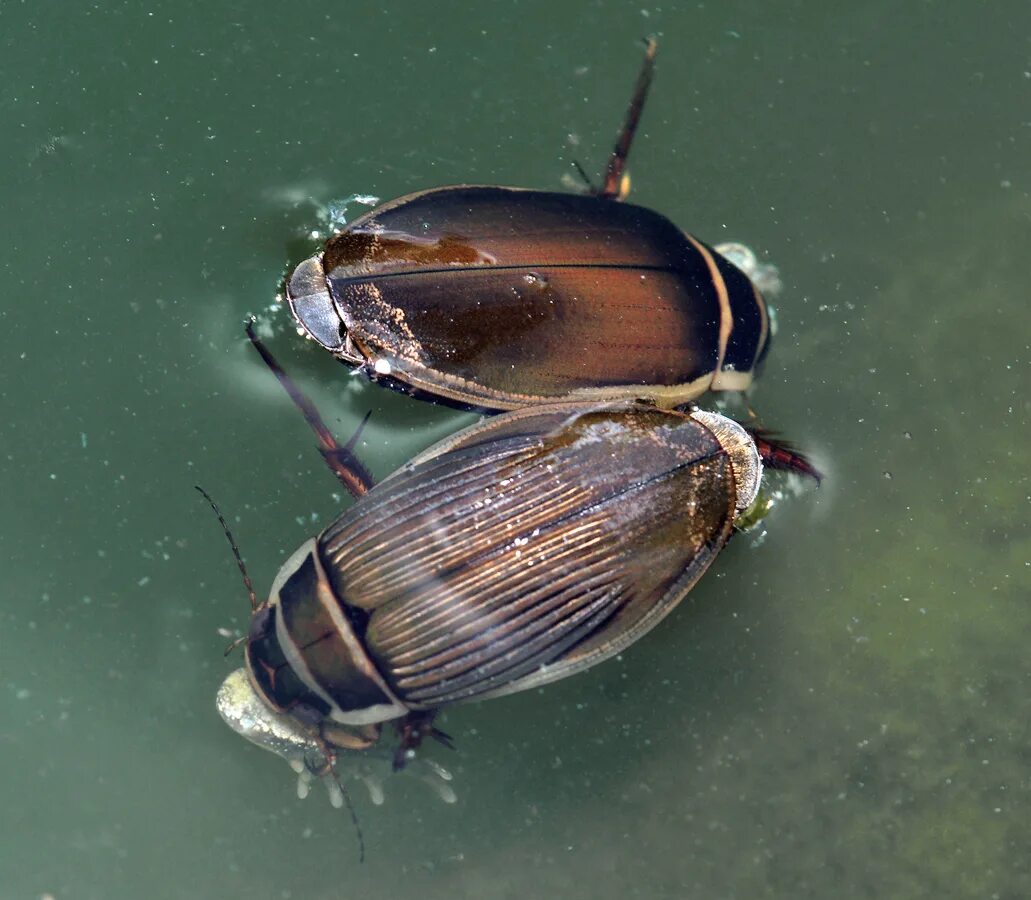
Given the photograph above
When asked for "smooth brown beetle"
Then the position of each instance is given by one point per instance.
(517, 552)
(496, 298)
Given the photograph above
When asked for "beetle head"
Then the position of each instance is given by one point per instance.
(245, 711)
(311, 303)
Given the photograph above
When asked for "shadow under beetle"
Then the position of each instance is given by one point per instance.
(496, 297)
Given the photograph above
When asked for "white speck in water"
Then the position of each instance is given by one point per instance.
(144, 581)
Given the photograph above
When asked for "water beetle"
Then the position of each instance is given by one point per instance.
(496, 297)
(517, 552)
(521, 550)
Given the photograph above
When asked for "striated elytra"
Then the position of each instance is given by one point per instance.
(496, 298)
(519, 551)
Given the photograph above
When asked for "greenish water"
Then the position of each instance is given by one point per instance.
(841, 710)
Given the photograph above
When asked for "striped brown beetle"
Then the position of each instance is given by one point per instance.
(519, 551)
(515, 553)
(496, 298)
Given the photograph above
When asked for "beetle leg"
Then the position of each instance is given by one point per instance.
(334, 769)
(617, 184)
(411, 730)
(347, 739)
(779, 454)
(591, 188)
(342, 461)
(345, 464)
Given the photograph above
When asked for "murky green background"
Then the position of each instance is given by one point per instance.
(842, 710)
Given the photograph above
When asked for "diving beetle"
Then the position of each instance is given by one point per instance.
(521, 550)
(494, 298)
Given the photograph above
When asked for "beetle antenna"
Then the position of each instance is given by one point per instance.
(236, 554)
(777, 453)
(358, 431)
(612, 189)
(350, 470)
(350, 808)
(345, 456)
(354, 815)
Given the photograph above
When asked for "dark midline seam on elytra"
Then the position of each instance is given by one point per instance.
(352, 279)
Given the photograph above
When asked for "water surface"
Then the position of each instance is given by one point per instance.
(839, 710)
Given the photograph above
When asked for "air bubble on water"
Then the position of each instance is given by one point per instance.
(336, 210)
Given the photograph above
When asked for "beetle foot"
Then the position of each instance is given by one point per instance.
(412, 730)
(368, 768)
(429, 772)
